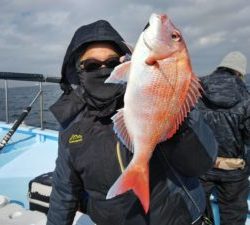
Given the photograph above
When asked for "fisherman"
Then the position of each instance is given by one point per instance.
(91, 157)
(226, 108)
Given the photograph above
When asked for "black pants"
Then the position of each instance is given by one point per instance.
(232, 199)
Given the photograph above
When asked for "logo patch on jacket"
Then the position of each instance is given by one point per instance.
(75, 138)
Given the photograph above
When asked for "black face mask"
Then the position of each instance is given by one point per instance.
(101, 96)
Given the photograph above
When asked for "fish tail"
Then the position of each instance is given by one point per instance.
(134, 178)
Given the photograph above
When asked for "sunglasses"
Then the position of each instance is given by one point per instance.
(89, 65)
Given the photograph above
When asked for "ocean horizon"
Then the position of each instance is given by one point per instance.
(20, 98)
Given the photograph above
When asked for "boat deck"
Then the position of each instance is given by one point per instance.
(29, 153)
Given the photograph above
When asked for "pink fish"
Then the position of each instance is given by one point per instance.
(161, 90)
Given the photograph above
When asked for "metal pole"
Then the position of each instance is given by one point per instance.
(17, 123)
(6, 101)
(41, 105)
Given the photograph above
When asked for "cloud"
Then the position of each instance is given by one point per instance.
(211, 40)
(51, 18)
(35, 34)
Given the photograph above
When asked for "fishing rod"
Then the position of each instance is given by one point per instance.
(18, 122)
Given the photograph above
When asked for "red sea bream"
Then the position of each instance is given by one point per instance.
(161, 90)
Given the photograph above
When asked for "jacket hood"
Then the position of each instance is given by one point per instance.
(223, 89)
(100, 30)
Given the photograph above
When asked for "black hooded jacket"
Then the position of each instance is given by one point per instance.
(226, 108)
(88, 159)
(99, 31)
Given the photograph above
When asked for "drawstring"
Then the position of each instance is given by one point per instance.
(119, 157)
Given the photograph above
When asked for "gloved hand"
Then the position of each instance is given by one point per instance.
(125, 58)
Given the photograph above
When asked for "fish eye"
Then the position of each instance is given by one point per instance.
(176, 36)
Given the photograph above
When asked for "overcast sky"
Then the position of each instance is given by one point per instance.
(34, 34)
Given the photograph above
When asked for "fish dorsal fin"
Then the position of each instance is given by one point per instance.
(193, 94)
(119, 74)
(121, 129)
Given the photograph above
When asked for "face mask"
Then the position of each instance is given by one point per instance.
(98, 94)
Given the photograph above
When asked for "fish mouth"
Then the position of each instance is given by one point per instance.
(162, 17)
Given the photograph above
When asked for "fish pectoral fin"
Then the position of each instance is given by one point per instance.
(121, 129)
(135, 178)
(119, 74)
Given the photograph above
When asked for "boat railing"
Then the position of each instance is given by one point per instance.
(6, 76)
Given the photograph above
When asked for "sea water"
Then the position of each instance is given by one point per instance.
(20, 97)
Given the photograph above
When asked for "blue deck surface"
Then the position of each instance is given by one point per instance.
(30, 153)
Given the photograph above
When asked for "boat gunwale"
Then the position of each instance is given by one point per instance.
(30, 130)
